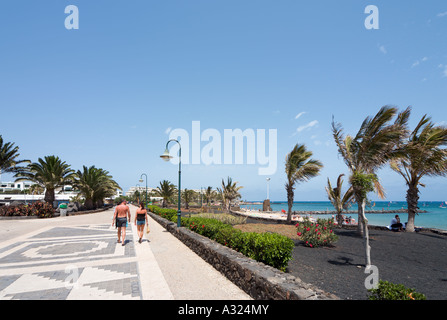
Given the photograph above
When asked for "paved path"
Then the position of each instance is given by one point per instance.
(77, 257)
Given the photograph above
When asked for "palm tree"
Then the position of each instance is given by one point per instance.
(229, 192)
(299, 168)
(107, 189)
(50, 173)
(95, 184)
(187, 195)
(370, 149)
(36, 189)
(166, 190)
(8, 158)
(208, 195)
(339, 201)
(421, 156)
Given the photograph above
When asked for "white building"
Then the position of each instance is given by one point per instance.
(11, 186)
(141, 190)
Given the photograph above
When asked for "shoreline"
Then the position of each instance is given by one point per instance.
(347, 212)
(280, 217)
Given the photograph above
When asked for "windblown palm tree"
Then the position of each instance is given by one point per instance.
(299, 168)
(421, 156)
(166, 190)
(370, 149)
(95, 184)
(187, 196)
(50, 173)
(209, 194)
(8, 158)
(339, 201)
(229, 192)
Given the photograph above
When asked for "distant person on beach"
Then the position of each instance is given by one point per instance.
(120, 216)
(141, 220)
(395, 223)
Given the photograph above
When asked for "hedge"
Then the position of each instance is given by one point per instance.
(269, 248)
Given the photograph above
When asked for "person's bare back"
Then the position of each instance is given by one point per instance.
(122, 211)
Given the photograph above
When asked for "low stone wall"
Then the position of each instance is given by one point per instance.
(260, 281)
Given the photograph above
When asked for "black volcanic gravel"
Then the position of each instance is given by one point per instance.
(416, 260)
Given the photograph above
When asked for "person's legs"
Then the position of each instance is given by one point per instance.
(141, 231)
(124, 234)
(119, 234)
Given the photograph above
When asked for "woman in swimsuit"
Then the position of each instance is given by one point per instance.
(141, 220)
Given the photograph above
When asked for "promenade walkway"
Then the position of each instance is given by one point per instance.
(78, 257)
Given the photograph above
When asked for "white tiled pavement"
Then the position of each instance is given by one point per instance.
(78, 257)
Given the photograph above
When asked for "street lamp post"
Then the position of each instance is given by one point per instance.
(268, 180)
(139, 199)
(141, 180)
(166, 156)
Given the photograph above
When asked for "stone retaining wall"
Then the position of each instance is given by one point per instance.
(260, 281)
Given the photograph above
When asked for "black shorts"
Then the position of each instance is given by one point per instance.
(121, 222)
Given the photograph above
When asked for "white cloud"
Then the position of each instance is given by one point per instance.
(168, 130)
(383, 49)
(307, 126)
(442, 14)
(444, 71)
(299, 115)
(417, 62)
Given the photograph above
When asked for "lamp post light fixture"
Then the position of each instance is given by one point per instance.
(141, 180)
(166, 157)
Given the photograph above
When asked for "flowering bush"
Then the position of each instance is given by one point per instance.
(40, 209)
(316, 234)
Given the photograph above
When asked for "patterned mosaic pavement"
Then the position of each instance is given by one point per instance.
(66, 263)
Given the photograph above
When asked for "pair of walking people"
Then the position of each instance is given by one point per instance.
(121, 217)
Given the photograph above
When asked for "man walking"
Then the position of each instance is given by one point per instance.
(120, 216)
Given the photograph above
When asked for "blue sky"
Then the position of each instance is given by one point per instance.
(107, 93)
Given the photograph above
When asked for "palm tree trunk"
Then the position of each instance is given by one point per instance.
(340, 219)
(289, 202)
(361, 213)
(363, 228)
(412, 203)
(88, 204)
(366, 236)
(49, 196)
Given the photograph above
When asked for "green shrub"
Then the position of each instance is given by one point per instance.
(391, 291)
(224, 217)
(269, 248)
(316, 234)
(206, 227)
(169, 214)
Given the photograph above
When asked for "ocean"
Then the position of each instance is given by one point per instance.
(435, 217)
